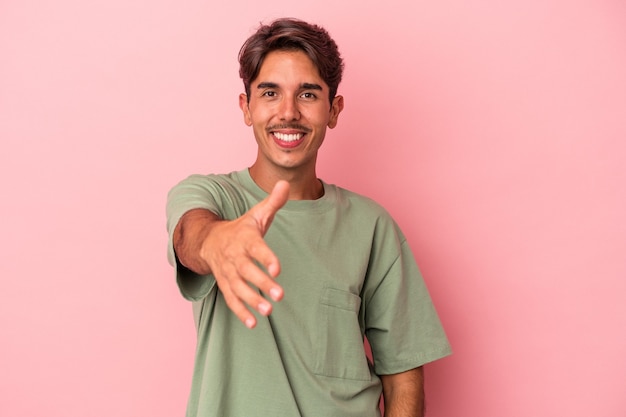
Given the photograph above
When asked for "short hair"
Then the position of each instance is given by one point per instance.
(292, 34)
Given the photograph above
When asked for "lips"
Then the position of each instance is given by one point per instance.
(288, 137)
(288, 140)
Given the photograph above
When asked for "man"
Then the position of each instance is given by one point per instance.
(310, 266)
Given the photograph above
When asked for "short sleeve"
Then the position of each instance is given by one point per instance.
(401, 323)
(211, 192)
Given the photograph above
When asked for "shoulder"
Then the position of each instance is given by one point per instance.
(369, 214)
(223, 194)
(219, 186)
(224, 181)
(362, 205)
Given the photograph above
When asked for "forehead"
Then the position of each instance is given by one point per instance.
(288, 66)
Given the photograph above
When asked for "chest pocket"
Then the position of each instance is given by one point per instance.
(339, 351)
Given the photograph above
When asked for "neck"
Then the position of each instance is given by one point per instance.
(301, 186)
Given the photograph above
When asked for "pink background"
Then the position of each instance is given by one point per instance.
(494, 132)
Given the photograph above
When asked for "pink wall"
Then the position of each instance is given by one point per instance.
(493, 131)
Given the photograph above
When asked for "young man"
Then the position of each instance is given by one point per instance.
(310, 266)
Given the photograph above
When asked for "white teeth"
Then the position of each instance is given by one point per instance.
(288, 138)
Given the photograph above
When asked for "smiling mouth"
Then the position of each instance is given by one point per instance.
(288, 137)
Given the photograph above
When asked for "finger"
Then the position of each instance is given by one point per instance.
(251, 297)
(266, 284)
(259, 250)
(236, 305)
(264, 211)
(279, 195)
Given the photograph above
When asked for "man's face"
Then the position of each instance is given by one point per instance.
(289, 111)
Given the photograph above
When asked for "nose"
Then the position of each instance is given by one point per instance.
(289, 109)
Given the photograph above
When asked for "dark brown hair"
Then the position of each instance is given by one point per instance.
(292, 34)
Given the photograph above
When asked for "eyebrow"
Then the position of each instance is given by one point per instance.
(309, 86)
(303, 86)
(267, 85)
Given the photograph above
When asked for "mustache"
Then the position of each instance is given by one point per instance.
(294, 126)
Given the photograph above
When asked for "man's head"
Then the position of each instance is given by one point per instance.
(292, 35)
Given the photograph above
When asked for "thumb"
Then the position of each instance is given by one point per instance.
(264, 211)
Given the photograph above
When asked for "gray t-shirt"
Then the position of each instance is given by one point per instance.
(347, 271)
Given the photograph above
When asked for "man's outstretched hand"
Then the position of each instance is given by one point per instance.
(229, 248)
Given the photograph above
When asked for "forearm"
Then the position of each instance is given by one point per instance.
(189, 236)
(404, 394)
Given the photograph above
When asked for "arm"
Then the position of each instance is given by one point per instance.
(403, 393)
(189, 235)
(205, 244)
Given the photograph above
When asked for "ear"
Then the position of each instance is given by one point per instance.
(243, 105)
(335, 109)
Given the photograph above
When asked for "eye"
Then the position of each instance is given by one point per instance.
(308, 96)
(269, 93)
